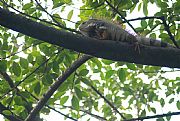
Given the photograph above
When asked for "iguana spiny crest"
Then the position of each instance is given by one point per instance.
(103, 30)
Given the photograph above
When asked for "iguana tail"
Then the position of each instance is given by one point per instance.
(153, 42)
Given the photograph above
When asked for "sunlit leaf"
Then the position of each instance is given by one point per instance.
(70, 14)
(145, 10)
(109, 74)
(64, 100)
(7, 112)
(27, 6)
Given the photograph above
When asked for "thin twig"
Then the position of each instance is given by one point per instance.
(51, 107)
(155, 116)
(52, 17)
(21, 50)
(108, 102)
(166, 27)
(42, 64)
(89, 113)
(69, 29)
(121, 15)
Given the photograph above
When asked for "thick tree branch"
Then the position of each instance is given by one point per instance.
(55, 86)
(112, 50)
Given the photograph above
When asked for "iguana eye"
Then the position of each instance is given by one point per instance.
(83, 22)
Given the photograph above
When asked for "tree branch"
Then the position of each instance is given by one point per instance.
(166, 27)
(155, 116)
(55, 86)
(117, 51)
(89, 113)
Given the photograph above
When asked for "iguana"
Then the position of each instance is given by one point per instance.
(103, 30)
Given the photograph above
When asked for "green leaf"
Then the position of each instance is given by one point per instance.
(7, 112)
(145, 10)
(78, 92)
(135, 1)
(140, 29)
(86, 81)
(55, 67)
(47, 80)
(27, 6)
(122, 74)
(163, 35)
(69, 16)
(16, 69)
(171, 100)
(150, 23)
(75, 103)
(18, 100)
(160, 119)
(153, 35)
(30, 58)
(131, 66)
(143, 23)
(63, 87)
(139, 6)
(55, 5)
(162, 102)
(45, 111)
(178, 105)
(97, 62)
(40, 59)
(168, 118)
(107, 62)
(83, 72)
(37, 88)
(64, 100)
(3, 65)
(109, 74)
(163, 5)
(153, 110)
(24, 63)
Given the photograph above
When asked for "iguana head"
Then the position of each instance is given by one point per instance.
(91, 27)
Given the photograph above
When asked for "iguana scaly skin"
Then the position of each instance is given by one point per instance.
(103, 30)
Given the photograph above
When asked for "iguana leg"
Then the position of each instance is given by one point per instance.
(137, 47)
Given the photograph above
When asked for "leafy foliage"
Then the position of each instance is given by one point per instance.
(33, 66)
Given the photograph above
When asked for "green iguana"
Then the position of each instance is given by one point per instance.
(103, 30)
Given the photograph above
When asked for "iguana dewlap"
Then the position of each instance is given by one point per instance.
(103, 30)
